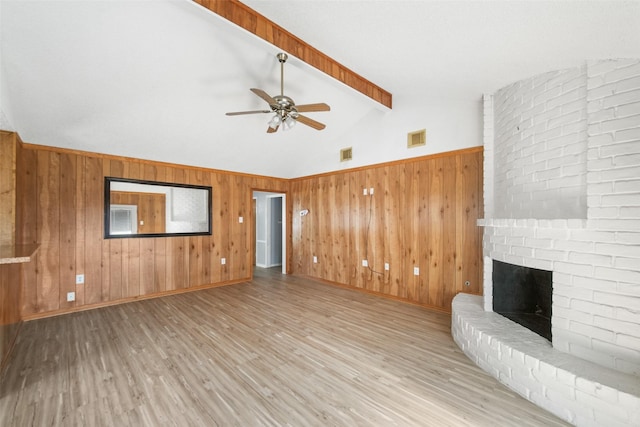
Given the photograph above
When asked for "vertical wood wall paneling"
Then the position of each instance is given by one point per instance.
(324, 225)
(241, 254)
(27, 222)
(94, 230)
(10, 274)
(341, 231)
(133, 245)
(196, 265)
(359, 213)
(470, 204)
(49, 226)
(105, 276)
(314, 224)
(160, 244)
(448, 289)
(302, 240)
(220, 222)
(8, 166)
(68, 213)
(377, 234)
(148, 285)
(412, 235)
(432, 270)
(422, 214)
(206, 253)
(394, 203)
(117, 284)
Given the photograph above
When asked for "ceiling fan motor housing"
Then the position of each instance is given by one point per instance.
(284, 105)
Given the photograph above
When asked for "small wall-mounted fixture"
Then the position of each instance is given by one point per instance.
(304, 212)
(417, 138)
(346, 154)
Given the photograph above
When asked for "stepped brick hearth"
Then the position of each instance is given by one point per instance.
(562, 193)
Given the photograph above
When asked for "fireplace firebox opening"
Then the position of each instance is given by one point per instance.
(523, 295)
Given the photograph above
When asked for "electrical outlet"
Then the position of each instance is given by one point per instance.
(315, 259)
(371, 191)
(71, 296)
(364, 192)
(223, 261)
(386, 266)
(365, 263)
(79, 279)
(416, 271)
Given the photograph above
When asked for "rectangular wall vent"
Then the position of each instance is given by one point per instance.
(417, 138)
(346, 154)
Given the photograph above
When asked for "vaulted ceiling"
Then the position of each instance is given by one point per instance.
(153, 79)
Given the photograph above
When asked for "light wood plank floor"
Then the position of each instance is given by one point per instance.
(279, 350)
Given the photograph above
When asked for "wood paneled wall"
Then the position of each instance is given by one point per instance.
(8, 144)
(63, 193)
(422, 214)
(10, 274)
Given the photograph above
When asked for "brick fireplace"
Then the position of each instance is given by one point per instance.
(562, 193)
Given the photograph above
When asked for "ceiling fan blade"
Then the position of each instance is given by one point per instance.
(310, 122)
(239, 113)
(272, 130)
(262, 94)
(306, 108)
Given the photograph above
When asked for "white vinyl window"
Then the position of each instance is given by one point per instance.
(124, 219)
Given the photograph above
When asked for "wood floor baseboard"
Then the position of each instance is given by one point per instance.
(378, 294)
(44, 315)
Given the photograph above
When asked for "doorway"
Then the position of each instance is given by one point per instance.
(270, 230)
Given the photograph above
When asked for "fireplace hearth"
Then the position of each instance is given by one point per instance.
(523, 295)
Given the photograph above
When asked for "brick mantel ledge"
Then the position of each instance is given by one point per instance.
(580, 392)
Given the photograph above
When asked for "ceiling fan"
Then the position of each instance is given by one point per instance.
(287, 113)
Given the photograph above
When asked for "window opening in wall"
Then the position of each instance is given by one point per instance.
(124, 219)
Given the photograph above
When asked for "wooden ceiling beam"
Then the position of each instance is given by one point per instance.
(247, 18)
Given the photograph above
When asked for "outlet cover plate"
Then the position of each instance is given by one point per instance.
(79, 279)
(71, 296)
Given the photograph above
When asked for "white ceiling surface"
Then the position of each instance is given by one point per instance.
(153, 79)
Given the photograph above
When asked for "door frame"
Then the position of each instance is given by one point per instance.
(286, 227)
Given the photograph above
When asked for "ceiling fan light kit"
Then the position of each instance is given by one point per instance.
(286, 112)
